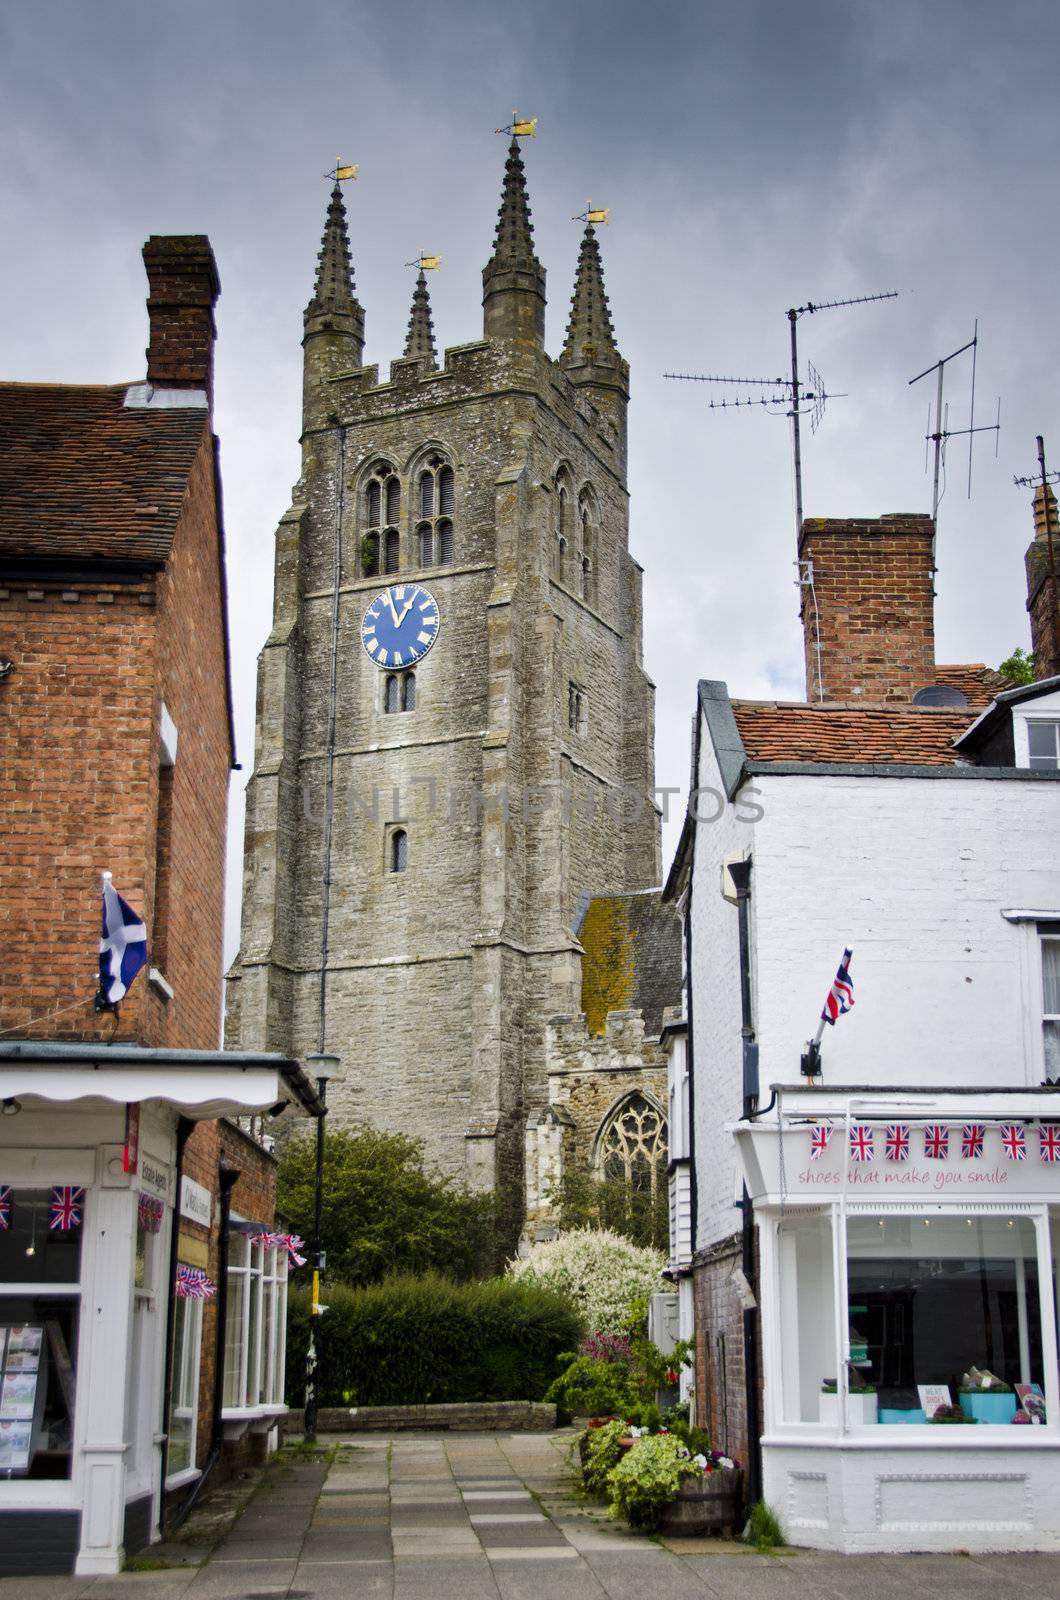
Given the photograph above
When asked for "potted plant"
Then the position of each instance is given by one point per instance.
(950, 1414)
(987, 1398)
(659, 1484)
(710, 1503)
(602, 1451)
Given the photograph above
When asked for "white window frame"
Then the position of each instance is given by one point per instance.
(188, 1367)
(1021, 737)
(260, 1383)
(1050, 937)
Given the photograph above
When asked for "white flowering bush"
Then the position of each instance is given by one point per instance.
(602, 1272)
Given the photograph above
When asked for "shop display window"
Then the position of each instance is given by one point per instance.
(255, 1324)
(184, 1402)
(807, 1290)
(40, 1270)
(931, 1298)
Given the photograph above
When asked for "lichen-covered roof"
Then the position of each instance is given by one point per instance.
(632, 960)
(82, 475)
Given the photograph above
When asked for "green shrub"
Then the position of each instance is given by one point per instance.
(425, 1340)
(589, 1388)
(647, 1478)
(763, 1528)
(602, 1272)
(383, 1213)
(601, 1454)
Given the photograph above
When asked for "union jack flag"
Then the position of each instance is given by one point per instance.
(936, 1141)
(292, 1244)
(1014, 1141)
(1049, 1144)
(66, 1208)
(896, 1147)
(840, 996)
(193, 1284)
(819, 1138)
(972, 1134)
(862, 1147)
(5, 1206)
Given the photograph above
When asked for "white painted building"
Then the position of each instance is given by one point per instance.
(897, 1214)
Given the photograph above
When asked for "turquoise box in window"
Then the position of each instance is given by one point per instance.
(987, 1407)
(902, 1414)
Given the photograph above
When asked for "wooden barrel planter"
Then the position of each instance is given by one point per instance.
(712, 1504)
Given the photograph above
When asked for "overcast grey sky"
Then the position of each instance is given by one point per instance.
(754, 155)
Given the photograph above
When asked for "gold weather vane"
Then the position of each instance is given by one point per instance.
(425, 263)
(341, 171)
(520, 128)
(589, 215)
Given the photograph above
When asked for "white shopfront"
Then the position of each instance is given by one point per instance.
(905, 1239)
(85, 1296)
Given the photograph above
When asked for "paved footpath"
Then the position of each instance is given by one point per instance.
(494, 1517)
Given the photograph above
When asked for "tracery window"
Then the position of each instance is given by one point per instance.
(437, 509)
(380, 537)
(632, 1145)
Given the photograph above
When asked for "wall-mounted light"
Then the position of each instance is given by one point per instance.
(11, 1107)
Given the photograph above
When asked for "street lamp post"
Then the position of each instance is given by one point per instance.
(324, 1068)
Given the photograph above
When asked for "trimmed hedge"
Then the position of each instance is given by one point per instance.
(425, 1340)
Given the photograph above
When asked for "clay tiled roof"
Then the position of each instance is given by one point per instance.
(83, 477)
(974, 679)
(909, 735)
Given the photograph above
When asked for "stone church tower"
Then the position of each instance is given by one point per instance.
(431, 805)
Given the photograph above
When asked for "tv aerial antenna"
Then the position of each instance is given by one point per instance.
(796, 399)
(942, 431)
(1044, 479)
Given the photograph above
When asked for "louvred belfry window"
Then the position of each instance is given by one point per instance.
(380, 531)
(437, 502)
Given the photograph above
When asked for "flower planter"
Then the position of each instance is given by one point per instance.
(861, 1408)
(711, 1504)
(987, 1407)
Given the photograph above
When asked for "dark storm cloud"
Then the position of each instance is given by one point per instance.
(754, 156)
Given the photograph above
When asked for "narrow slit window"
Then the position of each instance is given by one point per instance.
(393, 546)
(408, 694)
(391, 694)
(399, 850)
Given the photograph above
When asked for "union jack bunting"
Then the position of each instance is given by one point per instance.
(896, 1146)
(149, 1212)
(193, 1284)
(862, 1144)
(819, 1137)
(972, 1134)
(840, 996)
(936, 1142)
(1014, 1141)
(292, 1244)
(5, 1206)
(1049, 1144)
(66, 1207)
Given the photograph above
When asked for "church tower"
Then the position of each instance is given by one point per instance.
(454, 742)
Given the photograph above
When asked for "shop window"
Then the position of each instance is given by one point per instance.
(930, 1297)
(1051, 1005)
(184, 1398)
(254, 1324)
(804, 1246)
(40, 1270)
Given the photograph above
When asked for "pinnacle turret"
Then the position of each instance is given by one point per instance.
(513, 280)
(334, 309)
(419, 341)
(590, 335)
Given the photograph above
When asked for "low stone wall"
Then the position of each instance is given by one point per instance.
(484, 1416)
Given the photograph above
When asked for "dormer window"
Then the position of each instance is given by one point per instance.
(1043, 744)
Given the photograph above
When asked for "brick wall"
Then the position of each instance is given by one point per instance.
(873, 583)
(1041, 585)
(184, 289)
(721, 1398)
(79, 786)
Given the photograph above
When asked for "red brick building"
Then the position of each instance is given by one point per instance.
(115, 752)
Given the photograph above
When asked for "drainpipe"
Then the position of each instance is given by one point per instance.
(740, 873)
(185, 1128)
(228, 1178)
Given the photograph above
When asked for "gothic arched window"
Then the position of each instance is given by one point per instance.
(399, 850)
(380, 538)
(437, 495)
(587, 552)
(631, 1148)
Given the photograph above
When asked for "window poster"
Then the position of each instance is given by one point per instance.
(933, 1395)
(20, 1360)
(14, 1445)
(1032, 1400)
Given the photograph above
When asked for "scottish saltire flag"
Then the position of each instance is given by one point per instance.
(1014, 1141)
(896, 1145)
(66, 1207)
(5, 1206)
(841, 994)
(862, 1144)
(936, 1142)
(1049, 1144)
(819, 1137)
(122, 947)
(972, 1134)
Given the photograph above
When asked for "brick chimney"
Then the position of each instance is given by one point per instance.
(1042, 560)
(868, 601)
(184, 287)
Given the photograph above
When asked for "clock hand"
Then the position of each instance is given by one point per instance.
(408, 607)
(388, 597)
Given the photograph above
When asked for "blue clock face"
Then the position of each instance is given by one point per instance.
(400, 625)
